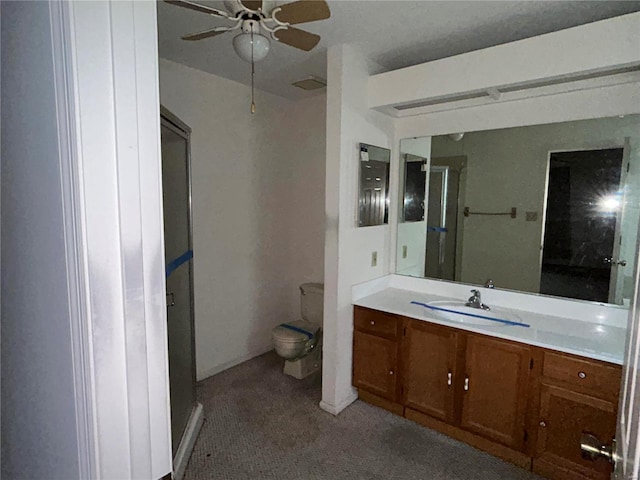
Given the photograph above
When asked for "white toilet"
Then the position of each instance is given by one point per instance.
(300, 342)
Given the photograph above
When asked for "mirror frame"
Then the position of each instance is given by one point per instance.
(369, 212)
(597, 102)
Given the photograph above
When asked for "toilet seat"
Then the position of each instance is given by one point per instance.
(292, 332)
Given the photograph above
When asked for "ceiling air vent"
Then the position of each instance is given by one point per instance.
(310, 83)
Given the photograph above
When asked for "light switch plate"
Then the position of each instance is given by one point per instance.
(404, 251)
(374, 259)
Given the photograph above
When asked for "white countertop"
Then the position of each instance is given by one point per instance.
(597, 340)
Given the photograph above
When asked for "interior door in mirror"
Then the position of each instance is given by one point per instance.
(443, 217)
(414, 188)
(583, 213)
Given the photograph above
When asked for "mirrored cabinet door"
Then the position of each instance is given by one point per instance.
(373, 198)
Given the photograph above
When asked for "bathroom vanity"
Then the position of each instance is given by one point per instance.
(525, 394)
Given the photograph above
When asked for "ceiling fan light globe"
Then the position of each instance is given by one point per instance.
(243, 45)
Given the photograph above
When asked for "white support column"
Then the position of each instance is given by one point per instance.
(347, 248)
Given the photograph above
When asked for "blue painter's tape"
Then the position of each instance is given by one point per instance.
(436, 229)
(174, 264)
(506, 322)
(299, 330)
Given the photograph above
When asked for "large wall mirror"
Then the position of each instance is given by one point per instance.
(373, 198)
(550, 209)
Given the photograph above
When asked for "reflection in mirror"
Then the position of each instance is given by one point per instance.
(442, 225)
(414, 188)
(549, 209)
(412, 233)
(373, 202)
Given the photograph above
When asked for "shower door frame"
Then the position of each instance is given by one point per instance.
(173, 123)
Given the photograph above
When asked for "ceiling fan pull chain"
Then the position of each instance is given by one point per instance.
(253, 74)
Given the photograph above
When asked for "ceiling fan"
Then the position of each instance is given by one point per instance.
(251, 18)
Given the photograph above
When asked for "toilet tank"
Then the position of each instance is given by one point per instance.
(312, 302)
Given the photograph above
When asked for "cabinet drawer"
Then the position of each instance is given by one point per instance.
(594, 375)
(375, 322)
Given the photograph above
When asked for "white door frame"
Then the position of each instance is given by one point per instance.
(627, 447)
(616, 281)
(106, 65)
(76, 261)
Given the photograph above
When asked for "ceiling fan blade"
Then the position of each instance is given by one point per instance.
(198, 8)
(303, 11)
(206, 34)
(298, 38)
(252, 4)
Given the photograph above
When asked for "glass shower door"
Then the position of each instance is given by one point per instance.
(177, 238)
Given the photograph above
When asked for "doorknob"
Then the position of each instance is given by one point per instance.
(612, 261)
(171, 300)
(592, 448)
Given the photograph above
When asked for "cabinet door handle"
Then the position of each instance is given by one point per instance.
(449, 379)
(372, 322)
(466, 384)
(543, 424)
(582, 375)
(390, 372)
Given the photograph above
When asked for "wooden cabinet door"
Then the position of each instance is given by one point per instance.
(375, 364)
(495, 389)
(564, 416)
(429, 369)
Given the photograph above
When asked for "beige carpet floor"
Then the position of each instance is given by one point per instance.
(260, 424)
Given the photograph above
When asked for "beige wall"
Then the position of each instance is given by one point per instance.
(304, 131)
(258, 209)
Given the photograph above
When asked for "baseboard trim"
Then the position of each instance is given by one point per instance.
(235, 361)
(188, 441)
(381, 402)
(336, 409)
(498, 450)
(568, 471)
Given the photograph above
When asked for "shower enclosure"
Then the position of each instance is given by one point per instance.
(186, 413)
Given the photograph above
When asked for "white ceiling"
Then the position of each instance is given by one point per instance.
(394, 33)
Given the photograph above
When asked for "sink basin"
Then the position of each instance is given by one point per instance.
(456, 311)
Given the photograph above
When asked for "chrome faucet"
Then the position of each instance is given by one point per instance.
(475, 301)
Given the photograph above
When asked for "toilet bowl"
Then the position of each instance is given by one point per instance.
(299, 342)
(295, 339)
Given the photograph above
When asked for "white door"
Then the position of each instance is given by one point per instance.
(626, 450)
(618, 264)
